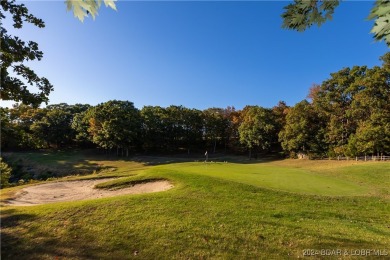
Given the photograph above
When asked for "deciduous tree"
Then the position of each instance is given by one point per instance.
(54, 128)
(16, 77)
(115, 124)
(216, 126)
(257, 128)
(154, 128)
(332, 100)
(303, 131)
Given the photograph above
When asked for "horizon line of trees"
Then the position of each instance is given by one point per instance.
(347, 115)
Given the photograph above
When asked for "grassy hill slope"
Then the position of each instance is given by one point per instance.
(251, 210)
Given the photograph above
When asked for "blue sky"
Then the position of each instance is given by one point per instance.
(197, 54)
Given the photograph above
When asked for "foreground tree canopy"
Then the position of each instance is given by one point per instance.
(16, 76)
(347, 115)
(302, 14)
(83, 8)
(299, 15)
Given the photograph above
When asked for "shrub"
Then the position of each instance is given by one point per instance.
(5, 172)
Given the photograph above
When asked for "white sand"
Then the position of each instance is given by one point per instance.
(79, 190)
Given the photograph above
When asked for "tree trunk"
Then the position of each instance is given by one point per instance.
(215, 145)
(127, 152)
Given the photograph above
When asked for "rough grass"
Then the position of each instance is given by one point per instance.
(216, 210)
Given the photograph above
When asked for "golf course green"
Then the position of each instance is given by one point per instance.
(231, 208)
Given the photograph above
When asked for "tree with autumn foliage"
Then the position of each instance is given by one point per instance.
(371, 109)
(354, 103)
(333, 101)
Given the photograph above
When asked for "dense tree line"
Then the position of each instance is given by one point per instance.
(347, 115)
(118, 127)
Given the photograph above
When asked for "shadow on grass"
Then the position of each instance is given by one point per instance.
(21, 239)
(160, 160)
(217, 158)
(41, 165)
(334, 242)
(45, 164)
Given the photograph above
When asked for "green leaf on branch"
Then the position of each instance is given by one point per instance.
(381, 14)
(84, 8)
(110, 3)
(302, 14)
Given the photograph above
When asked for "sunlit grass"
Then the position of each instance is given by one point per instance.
(273, 177)
(216, 210)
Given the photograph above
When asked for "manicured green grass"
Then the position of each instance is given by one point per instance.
(273, 177)
(372, 175)
(266, 210)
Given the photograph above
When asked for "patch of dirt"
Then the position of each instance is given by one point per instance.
(79, 190)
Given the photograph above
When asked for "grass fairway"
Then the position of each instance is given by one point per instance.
(264, 210)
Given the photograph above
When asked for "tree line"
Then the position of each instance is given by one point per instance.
(347, 115)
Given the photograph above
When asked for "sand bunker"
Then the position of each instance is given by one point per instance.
(79, 190)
